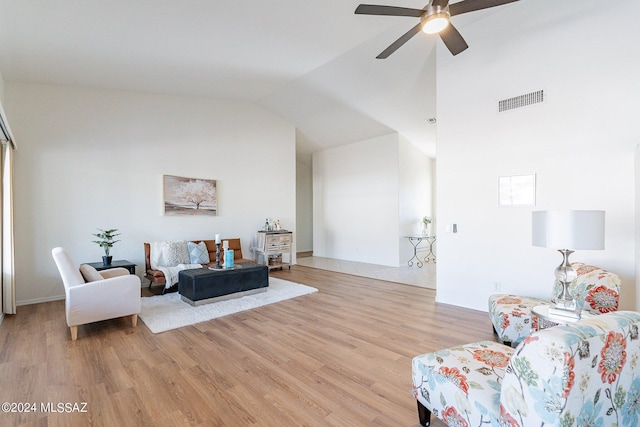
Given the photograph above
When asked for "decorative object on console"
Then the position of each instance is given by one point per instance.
(106, 242)
(271, 225)
(567, 231)
(426, 222)
(190, 196)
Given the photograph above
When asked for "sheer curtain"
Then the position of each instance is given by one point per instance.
(6, 212)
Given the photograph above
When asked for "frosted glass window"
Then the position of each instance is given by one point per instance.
(517, 190)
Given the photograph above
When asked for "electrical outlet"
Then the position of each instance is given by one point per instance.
(497, 286)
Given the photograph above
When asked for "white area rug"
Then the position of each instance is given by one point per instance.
(165, 312)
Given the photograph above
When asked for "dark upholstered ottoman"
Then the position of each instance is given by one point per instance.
(201, 285)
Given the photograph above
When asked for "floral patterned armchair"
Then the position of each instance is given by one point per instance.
(582, 374)
(595, 290)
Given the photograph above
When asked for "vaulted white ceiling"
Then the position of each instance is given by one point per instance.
(311, 62)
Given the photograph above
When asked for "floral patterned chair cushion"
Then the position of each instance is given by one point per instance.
(442, 382)
(511, 317)
(582, 374)
(595, 290)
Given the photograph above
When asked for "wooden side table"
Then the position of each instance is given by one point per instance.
(114, 264)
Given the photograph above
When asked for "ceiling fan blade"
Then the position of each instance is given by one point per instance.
(473, 5)
(441, 3)
(398, 43)
(373, 9)
(453, 39)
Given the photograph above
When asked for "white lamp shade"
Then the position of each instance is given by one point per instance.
(573, 230)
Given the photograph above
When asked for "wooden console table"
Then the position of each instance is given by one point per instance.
(274, 243)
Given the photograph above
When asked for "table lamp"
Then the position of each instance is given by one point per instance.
(567, 231)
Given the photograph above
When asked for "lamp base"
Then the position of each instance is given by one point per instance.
(565, 274)
(566, 304)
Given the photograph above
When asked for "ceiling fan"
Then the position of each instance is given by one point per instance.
(434, 18)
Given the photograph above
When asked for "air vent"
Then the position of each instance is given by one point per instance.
(521, 101)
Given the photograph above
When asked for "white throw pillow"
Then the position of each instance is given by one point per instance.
(198, 253)
(89, 273)
(175, 253)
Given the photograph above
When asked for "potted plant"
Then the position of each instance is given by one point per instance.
(106, 242)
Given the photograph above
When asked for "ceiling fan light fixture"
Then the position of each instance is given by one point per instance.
(435, 23)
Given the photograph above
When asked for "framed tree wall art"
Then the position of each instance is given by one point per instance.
(189, 196)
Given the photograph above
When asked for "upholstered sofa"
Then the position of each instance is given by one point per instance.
(156, 277)
(585, 373)
(595, 290)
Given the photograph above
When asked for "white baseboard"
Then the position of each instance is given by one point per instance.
(53, 298)
(39, 300)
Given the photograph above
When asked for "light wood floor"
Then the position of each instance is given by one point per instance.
(424, 276)
(338, 357)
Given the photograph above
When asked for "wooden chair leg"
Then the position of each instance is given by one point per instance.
(134, 320)
(424, 415)
(74, 332)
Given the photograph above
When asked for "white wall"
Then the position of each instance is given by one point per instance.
(580, 143)
(637, 221)
(1, 89)
(366, 197)
(415, 194)
(304, 207)
(355, 201)
(91, 158)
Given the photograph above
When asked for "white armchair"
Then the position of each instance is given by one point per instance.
(105, 295)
